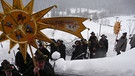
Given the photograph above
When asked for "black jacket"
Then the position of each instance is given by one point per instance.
(62, 50)
(77, 52)
(13, 74)
(45, 52)
(47, 71)
(19, 61)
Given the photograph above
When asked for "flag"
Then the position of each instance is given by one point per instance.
(72, 25)
(117, 27)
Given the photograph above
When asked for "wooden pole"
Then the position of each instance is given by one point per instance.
(88, 34)
(33, 58)
(99, 31)
(115, 43)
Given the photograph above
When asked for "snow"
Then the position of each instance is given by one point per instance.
(112, 65)
(56, 55)
(121, 65)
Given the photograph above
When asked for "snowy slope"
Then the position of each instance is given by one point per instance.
(122, 65)
(127, 21)
(112, 65)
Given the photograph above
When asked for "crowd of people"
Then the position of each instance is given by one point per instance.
(93, 48)
(41, 66)
(98, 48)
(83, 49)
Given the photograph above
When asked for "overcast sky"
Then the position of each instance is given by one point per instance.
(114, 6)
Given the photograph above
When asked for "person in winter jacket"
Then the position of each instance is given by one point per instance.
(132, 41)
(53, 47)
(101, 50)
(77, 53)
(93, 44)
(41, 69)
(3, 63)
(44, 51)
(9, 71)
(61, 48)
(121, 44)
(20, 62)
(105, 41)
(84, 46)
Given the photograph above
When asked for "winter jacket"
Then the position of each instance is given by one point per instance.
(93, 44)
(105, 43)
(13, 74)
(47, 71)
(45, 52)
(19, 61)
(62, 50)
(121, 44)
(101, 51)
(132, 41)
(77, 53)
(1, 71)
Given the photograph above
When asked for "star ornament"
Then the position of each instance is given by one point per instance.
(21, 26)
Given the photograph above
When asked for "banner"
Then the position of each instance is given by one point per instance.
(41, 13)
(17, 4)
(41, 36)
(12, 44)
(3, 37)
(29, 7)
(72, 25)
(1, 16)
(117, 27)
(20, 26)
(6, 6)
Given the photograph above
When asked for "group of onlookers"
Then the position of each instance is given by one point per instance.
(83, 49)
(40, 67)
(122, 43)
(93, 48)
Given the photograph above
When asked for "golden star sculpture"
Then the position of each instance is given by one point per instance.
(21, 26)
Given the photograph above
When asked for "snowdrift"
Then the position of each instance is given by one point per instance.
(121, 65)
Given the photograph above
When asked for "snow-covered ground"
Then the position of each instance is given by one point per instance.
(122, 65)
(112, 65)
